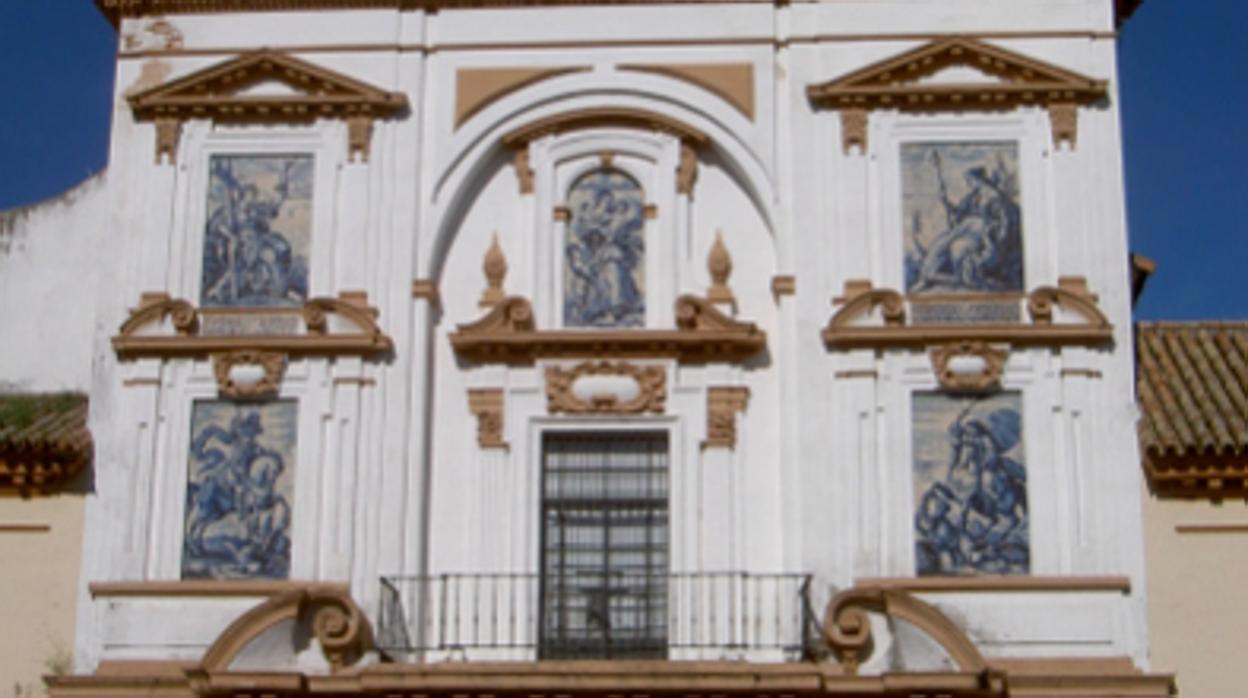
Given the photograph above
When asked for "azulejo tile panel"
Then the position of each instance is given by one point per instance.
(240, 487)
(970, 485)
(258, 232)
(604, 281)
(961, 217)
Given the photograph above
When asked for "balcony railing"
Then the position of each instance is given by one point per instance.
(517, 617)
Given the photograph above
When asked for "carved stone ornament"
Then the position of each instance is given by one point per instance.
(507, 334)
(651, 389)
(340, 326)
(495, 267)
(687, 170)
(849, 327)
(486, 404)
(524, 171)
(955, 366)
(901, 83)
(847, 631)
(719, 264)
(340, 628)
(224, 94)
(244, 384)
(723, 404)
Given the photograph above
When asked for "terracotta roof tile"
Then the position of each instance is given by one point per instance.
(1192, 388)
(44, 440)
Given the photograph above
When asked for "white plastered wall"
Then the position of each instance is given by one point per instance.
(818, 480)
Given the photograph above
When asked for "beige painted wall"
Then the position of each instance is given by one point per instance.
(40, 549)
(1198, 593)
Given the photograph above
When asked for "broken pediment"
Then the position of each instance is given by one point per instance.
(957, 74)
(265, 86)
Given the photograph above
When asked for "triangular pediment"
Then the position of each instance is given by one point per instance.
(265, 85)
(956, 73)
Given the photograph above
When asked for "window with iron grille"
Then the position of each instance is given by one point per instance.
(604, 545)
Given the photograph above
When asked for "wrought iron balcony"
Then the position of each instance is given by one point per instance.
(523, 617)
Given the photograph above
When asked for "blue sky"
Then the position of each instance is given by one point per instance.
(1183, 68)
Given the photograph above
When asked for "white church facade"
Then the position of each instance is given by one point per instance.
(474, 348)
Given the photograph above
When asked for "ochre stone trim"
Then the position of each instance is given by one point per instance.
(859, 298)
(847, 630)
(1114, 583)
(719, 266)
(605, 117)
(216, 93)
(989, 378)
(273, 363)
(687, 170)
(209, 588)
(524, 171)
(337, 623)
(477, 88)
(507, 334)
(494, 265)
(426, 289)
(651, 389)
(731, 82)
(783, 285)
(487, 405)
(723, 404)
(894, 83)
(368, 340)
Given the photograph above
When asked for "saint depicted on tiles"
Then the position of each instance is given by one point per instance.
(239, 490)
(604, 280)
(963, 222)
(257, 238)
(970, 486)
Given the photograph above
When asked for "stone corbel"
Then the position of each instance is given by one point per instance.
(248, 374)
(687, 170)
(649, 389)
(359, 138)
(524, 171)
(168, 132)
(968, 366)
(1064, 119)
(486, 404)
(854, 130)
(723, 404)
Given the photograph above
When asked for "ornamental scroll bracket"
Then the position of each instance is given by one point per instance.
(342, 326)
(224, 93)
(847, 630)
(908, 82)
(853, 325)
(340, 627)
(508, 334)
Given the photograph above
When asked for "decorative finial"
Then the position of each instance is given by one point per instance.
(719, 264)
(495, 268)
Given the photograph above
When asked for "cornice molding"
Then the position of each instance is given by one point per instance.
(218, 93)
(846, 331)
(115, 10)
(896, 83)
(508, 334)
(321, 337)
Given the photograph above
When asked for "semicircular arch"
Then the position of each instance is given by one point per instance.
(478, 149)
